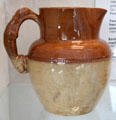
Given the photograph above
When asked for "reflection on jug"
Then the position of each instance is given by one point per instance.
(69, 64)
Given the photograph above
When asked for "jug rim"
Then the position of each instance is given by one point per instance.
(92, 8)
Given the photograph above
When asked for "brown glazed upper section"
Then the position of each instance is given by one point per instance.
(70, 35)
(70, 23)
(70, 51)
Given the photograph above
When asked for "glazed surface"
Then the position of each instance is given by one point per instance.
(70, 23)
(69, 34)
(69, 89)
(70, 51)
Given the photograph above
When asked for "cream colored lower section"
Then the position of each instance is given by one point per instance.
(69, 89)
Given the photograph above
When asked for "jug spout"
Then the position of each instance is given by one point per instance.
(87, 22)
(96, 18)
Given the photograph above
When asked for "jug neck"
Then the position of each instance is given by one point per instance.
(70, 23)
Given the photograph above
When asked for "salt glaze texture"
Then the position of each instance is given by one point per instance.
(69, 89)
(69, 64)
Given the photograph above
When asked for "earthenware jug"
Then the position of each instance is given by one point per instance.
(69, 64)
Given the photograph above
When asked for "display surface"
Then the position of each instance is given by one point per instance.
(69, 65)
(24, 105)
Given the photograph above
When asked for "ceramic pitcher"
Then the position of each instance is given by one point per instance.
(69, 64)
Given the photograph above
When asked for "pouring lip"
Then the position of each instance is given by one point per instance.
(91, 8)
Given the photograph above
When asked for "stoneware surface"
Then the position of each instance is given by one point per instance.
(69, 89)
(69, 41)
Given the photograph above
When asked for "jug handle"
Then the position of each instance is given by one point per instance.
(11, 34)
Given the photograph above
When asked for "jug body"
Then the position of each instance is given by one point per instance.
(69, 64)
(69, 89)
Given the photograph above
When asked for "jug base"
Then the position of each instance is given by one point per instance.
(70, 112)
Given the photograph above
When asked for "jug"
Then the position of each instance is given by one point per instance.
(69, 64)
